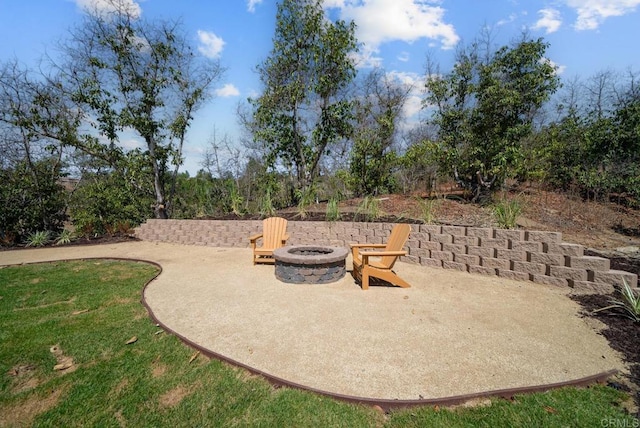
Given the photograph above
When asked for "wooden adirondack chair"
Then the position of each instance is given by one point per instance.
(274, 235)
(379, 261)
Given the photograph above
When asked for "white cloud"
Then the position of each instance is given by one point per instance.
(381, 21)
(228, 90)
(107, 6)
(559, 68)
(365, 59)
(511, 18)
(251, 5)
(413, 82)
(404, 56)
(406, 78)
(549, 21)
(591, 13)
(412, 107)
(132, 143)
(211, 45)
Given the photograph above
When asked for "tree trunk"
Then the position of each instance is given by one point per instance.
(159, 208)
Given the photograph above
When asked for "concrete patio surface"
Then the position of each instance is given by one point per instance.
(450, 334)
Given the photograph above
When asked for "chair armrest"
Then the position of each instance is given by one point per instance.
(355, 248)
(383, 253)
(368, 245)
(255, 237)
(285, 238)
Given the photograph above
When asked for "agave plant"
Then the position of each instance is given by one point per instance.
(38, 239)
(629, 305)
(64, 237)
(507, 212)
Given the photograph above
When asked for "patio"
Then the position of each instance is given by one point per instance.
(450, 334)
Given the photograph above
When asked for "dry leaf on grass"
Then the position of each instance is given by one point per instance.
(64, 365)
(194, 356)
(134, 339)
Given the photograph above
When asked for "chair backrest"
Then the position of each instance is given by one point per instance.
(397, 239)
(273, 230)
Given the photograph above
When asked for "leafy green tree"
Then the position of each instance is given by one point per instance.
(485, 108)
(301, 111)
(377, 113)
(129, 74)
(612, 152)
(594, 148)
(419, 167)
(34, 119)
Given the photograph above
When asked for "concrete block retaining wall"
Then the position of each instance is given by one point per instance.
(537, 256)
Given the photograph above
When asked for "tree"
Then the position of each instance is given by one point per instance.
(378, 110)
(129, 74)
(485, 107)
(301, 113)
(594, 147)
(35, 120)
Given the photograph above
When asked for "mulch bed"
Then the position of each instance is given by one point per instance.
(622, 333)
(98, 240)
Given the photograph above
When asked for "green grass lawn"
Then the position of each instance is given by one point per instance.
(81, 314)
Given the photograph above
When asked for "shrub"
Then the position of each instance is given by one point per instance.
(427, 209)
(103, 201)
(64, 237)
(38, 239)
(305, 198)
(237, 201)
(506, 212)
(32, 200)
(369, 208)
(266, 205)
(333, 211)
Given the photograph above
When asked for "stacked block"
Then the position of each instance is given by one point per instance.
(536, 256)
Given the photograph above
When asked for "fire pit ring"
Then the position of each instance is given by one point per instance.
(310, 264)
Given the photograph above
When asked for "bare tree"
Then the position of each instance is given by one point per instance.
(130, 74)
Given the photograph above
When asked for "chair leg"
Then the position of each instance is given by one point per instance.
(401, 282)
(365, 278)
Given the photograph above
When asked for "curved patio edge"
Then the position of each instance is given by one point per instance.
(384, 404)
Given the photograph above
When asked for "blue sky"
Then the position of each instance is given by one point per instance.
(586, 36)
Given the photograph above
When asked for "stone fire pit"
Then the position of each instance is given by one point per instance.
(310, 264)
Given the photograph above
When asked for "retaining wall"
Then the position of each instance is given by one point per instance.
(525, 255)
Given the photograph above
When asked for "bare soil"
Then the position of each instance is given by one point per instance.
(602, 226)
